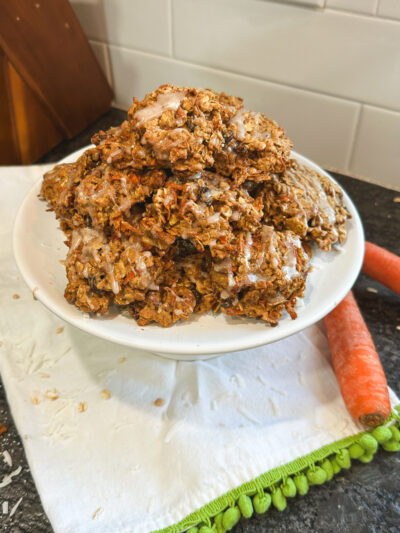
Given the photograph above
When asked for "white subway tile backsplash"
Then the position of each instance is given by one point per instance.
(140, 24)
(389, 8)
(377, 147)
(311, 69)
(101, 52)
(358, 6)
(321, 127)
(337, 53)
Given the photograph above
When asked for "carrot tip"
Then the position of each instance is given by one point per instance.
(372, 419)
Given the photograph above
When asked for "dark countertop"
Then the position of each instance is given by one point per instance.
(364, 499)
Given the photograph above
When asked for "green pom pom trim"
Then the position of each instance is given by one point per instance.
(382, 434)
(335, 466)
(327, 466)
(369, 443)
(262, 502)
(278, 499)
(245, 505)
(391, 446)
(231, 518)
(288, 488)
(366, 458)
(395, 433)
(218, 523)
(287, 481)
(316, 475)
(206, 529)
(356, 451)
(301, 483)
(343, 458)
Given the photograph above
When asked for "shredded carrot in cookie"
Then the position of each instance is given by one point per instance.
(193, 204)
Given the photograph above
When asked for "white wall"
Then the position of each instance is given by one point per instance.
(327, 70)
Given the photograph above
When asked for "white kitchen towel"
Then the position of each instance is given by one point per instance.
(123, 441)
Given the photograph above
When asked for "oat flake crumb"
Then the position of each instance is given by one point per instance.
(15, 507)
(44, 375)
(96, 513)
(7, 458)
(34, 292)
(52, 395)
(16, 296)
(82, 406)
(105, 394)
(35, 400)
(371, 289)
(159, 402)
(60, 330)
(274, 406)
(396, 199)
(121, 360)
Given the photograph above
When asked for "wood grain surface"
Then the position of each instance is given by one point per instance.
(50, 77)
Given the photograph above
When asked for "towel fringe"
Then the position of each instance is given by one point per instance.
(222, 514)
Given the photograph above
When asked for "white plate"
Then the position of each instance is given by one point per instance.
(38, 249)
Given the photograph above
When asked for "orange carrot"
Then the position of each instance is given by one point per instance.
(383, 266)
(128, 277)
(357, 366)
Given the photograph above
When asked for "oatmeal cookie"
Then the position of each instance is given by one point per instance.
(191, 205)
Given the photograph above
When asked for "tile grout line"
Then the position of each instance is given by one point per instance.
(136, 50)
(334, 9)
(349, 159)
(377, 7)
(170, 29)
(348, 13)
(253, 78)
(108, 65)
(301, 5)
(106, 56)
